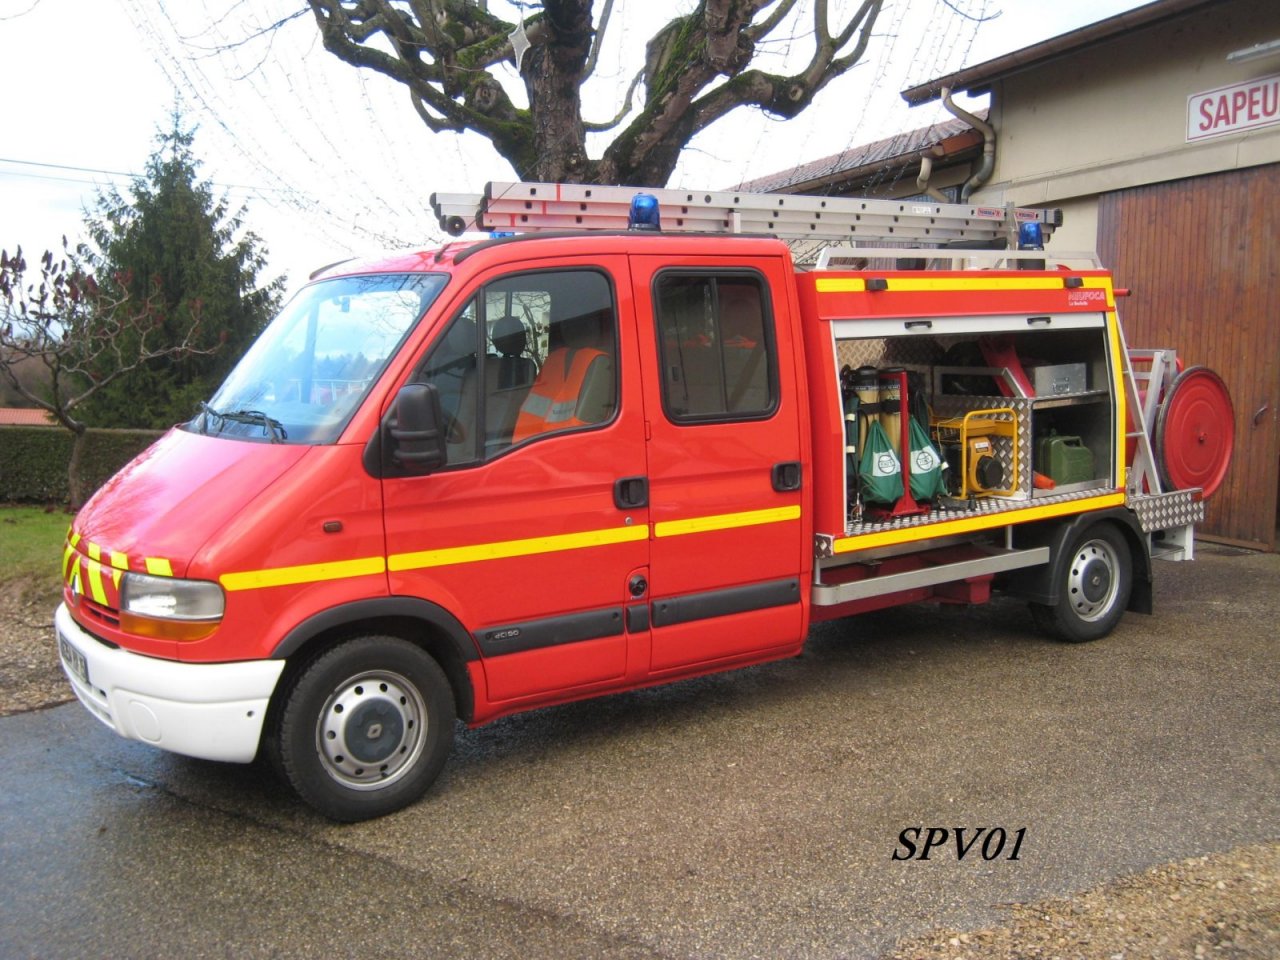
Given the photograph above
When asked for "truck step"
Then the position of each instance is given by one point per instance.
(993, 560)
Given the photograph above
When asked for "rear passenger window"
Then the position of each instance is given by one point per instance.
(716, 339)
(530, 355)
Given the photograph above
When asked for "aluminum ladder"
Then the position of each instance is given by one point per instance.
(529, 207)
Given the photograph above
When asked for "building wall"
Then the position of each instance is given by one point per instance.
(1189, 224)
(1205, 282)
(1115, 116)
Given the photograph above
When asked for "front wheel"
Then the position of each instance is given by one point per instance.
(1093, 589)
(365, 729)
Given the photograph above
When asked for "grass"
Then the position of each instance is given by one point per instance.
(31, 542)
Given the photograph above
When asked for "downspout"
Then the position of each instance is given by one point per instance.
(926, 171)
(988, 132)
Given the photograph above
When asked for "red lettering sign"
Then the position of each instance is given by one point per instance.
(1241, 106)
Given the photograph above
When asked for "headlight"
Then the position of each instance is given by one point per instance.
(168, 608)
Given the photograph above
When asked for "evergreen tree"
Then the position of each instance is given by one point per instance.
(176, 244)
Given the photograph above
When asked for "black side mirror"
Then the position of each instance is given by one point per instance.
(412, 440)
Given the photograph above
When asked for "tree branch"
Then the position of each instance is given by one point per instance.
(787, 96)
(590, 68)
(84, 333)
(444, 70)
(626, 108)
(697, 68)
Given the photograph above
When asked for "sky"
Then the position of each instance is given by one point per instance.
(334, 162)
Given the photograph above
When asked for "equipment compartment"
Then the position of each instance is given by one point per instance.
(973, 393)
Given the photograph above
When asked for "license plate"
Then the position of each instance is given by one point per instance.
(73, 660)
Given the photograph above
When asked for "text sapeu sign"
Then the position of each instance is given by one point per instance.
(1241, 106)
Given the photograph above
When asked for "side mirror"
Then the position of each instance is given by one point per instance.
(415, 436)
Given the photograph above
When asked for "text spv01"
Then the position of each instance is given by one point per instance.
(992, 845)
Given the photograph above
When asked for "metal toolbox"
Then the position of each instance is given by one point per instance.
(1055, 379)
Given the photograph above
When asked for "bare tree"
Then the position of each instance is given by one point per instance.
(85, 335)
(697, 69)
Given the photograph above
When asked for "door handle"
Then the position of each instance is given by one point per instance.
(1257, 417)
(786, 476)
(631, 492)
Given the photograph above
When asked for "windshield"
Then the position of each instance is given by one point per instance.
(308, 371)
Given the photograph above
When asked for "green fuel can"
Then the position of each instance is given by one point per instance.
(1065, 459)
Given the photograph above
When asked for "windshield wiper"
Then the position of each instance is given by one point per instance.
(270, 425)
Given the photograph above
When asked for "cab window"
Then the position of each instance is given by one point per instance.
(529, 356)
(718, 356)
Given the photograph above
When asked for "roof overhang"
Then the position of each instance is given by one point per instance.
(978, 79)
(948, 142)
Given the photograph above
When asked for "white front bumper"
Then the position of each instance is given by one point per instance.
(208, 710)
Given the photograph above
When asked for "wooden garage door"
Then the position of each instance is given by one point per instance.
(1202, 257)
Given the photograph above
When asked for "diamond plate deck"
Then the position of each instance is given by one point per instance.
(1163, 511)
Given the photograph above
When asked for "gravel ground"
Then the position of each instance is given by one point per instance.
(1226, 905)
(30, 676)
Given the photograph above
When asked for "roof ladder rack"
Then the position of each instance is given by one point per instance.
(532, 207)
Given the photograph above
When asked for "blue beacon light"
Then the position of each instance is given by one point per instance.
(644, 213)
(1030, 236)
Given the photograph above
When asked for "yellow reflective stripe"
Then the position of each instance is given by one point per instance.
(941, 284)
(951, 284)
(840, 285)
(306, 573)
(96, 589)
(1102, 283)
(1120, 394)
(970, 524)
(158, 566)
(497, 550)
(67, 555)
(726, 521)
(119, 564)
(516, 548)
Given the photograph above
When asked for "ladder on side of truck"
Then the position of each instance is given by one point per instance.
(1166, 516)
(532, 207)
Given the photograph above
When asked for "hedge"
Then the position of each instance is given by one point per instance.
(33, 460)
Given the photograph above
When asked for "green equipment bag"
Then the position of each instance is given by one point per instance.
(879, 468)
(926, 465)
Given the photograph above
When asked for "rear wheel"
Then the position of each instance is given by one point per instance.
(1094, 587)
(365, 729)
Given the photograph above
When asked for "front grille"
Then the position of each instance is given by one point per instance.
(100, 612)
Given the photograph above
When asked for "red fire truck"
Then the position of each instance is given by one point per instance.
(513, 472)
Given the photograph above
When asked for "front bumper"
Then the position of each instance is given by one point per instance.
(209, 710)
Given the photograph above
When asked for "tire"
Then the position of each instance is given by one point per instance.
(1096, 579)
(365, 729)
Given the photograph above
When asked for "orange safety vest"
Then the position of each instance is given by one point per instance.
(552, 403)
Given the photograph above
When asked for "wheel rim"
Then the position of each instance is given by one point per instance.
(1092, 582)
(372, 729)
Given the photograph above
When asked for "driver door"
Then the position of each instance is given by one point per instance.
(523, 535)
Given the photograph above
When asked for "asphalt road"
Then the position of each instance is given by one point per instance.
(752, 814)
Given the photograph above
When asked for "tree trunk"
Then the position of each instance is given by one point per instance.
(553, 79)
